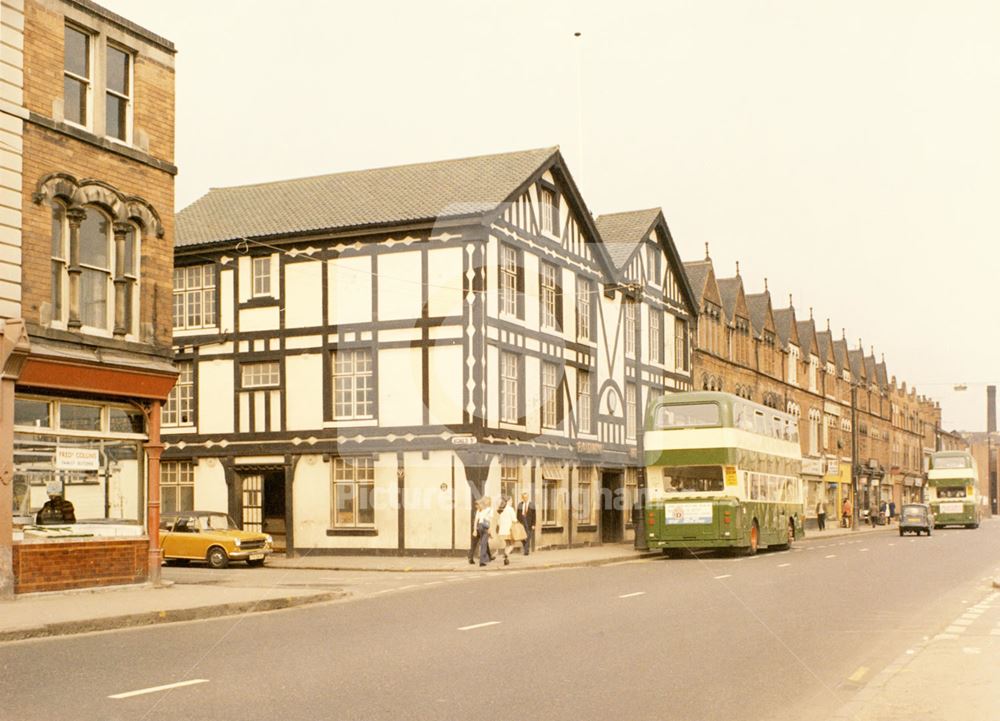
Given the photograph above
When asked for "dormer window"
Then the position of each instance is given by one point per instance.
(549, 211)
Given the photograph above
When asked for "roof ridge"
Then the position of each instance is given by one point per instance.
(551, 149)
(657, 208)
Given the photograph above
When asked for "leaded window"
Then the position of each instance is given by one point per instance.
(584, 409)
(510, 378)
(353, 492)
(195, 296)
(179, 408)
(353, 384)
(176, 486)
(550, 395)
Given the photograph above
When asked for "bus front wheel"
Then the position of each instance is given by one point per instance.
(754, 539)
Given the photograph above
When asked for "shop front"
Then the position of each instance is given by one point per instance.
(85, 474)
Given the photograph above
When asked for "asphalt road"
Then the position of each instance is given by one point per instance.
(779, 636)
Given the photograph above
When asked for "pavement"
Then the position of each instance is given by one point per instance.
(198, 593)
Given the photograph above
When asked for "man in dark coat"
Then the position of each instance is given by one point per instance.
(526, 515)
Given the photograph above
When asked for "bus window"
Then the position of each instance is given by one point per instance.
(949, 462)
(692, 479)
(693, 415)
(790, 495)
(951, 492)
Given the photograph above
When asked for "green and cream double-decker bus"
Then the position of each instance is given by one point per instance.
(721, 472)
(953, 489)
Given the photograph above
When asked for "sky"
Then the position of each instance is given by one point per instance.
(846, 151)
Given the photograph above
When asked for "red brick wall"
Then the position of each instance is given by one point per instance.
(80, 564)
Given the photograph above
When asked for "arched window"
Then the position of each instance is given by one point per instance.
(95, 264)
(60, 256)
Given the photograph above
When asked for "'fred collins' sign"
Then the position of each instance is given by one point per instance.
(77, 459)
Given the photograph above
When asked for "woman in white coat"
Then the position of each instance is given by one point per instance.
(506, 517)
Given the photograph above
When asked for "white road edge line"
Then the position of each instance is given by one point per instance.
(783, 565)
(154, 689)
(832, 555)
(478, 625)
(726, 575)
(631, 595)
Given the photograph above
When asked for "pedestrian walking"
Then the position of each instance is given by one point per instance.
(892, 511)
(846, 511)
(474, 543)
(484, 523)
(883, 513)
(872, 514)
(506, 517)
(526, 515)
(821, 514)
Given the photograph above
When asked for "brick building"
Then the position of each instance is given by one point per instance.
(96, 205)
(852, 415)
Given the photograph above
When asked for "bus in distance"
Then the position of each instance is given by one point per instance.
(953, 489)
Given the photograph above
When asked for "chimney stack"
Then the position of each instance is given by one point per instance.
(991, 409)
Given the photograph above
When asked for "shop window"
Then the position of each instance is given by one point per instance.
(78, 417)
(353, 492)
(31, 412)
(585, 496)
(550, 501)
(510, 477)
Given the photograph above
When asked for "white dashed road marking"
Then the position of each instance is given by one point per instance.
(725, 575)
(783, 565)
(832, 555)
(632, 595)
(478, 625)
(155, 689)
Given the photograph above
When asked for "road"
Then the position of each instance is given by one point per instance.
(778, 636)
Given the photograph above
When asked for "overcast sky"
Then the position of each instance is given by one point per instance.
(847, 151)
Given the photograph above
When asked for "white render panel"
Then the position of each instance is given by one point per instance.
(532, 394)
(210, 490)
(532, 268)
(275, 400)
(313, 500)
(215, 349)
(669, 355)
(444, 278)
(259, 401)
(303, 295)
(245, 399)
(225, 300)
(399, 291)
(446, 368)
(350, 290)
(244, 267)
(400, 384)
(252, 319)
(215, 396)
(398, 334)
(303, 376)
(428, 501)
(304, 341)
(445, 331)
(492, 386)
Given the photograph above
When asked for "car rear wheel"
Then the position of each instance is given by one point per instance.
(217, 557)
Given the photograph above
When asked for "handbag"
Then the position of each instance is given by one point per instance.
(517, 532)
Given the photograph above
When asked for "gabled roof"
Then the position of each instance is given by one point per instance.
(786, 327)
(840, 355)
(806, 330)
(730, 290)
(623, 233)
(824, 346)
(882, 374)
(697, 273)
(856, 358)
(760, 311)
(358, 199)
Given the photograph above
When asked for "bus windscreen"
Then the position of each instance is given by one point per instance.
(693, 415)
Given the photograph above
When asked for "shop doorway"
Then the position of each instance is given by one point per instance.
(612, 503)
(263, 504)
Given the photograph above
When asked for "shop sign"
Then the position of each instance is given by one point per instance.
(589, 448)
(77, 459)
(812, 466)
(832, 467)
(832, 408)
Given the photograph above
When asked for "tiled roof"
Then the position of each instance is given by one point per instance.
(729, 289)
(824, 341)
(806, 329)
(623, 232)
(882, 373)
(840, 355)
(758, 304)
(857, 360)
(360, 198)
(697, 273)
(783, 318)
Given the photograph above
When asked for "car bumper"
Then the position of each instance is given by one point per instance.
(249, 554)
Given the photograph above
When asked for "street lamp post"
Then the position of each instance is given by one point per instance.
(855, 510)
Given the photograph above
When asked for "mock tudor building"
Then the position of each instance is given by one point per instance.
(362, 354)
(96, 210)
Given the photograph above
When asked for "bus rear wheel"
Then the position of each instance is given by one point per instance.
(754, 539)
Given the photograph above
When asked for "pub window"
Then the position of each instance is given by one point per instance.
(585, 496)
(264, 374)
(550, 501)
(179, 408)
(630, 327)
(511, 285)
(551, 297)
(510, 388)
(195, 296)
(630, 410)
(584, 408)
(176, 486)
(262, 276)
(549, 211)
(353, 384)
(550, 395)
(680, 345)
(510, 477)
(655, 336)
(353, 492)
(584, 303)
